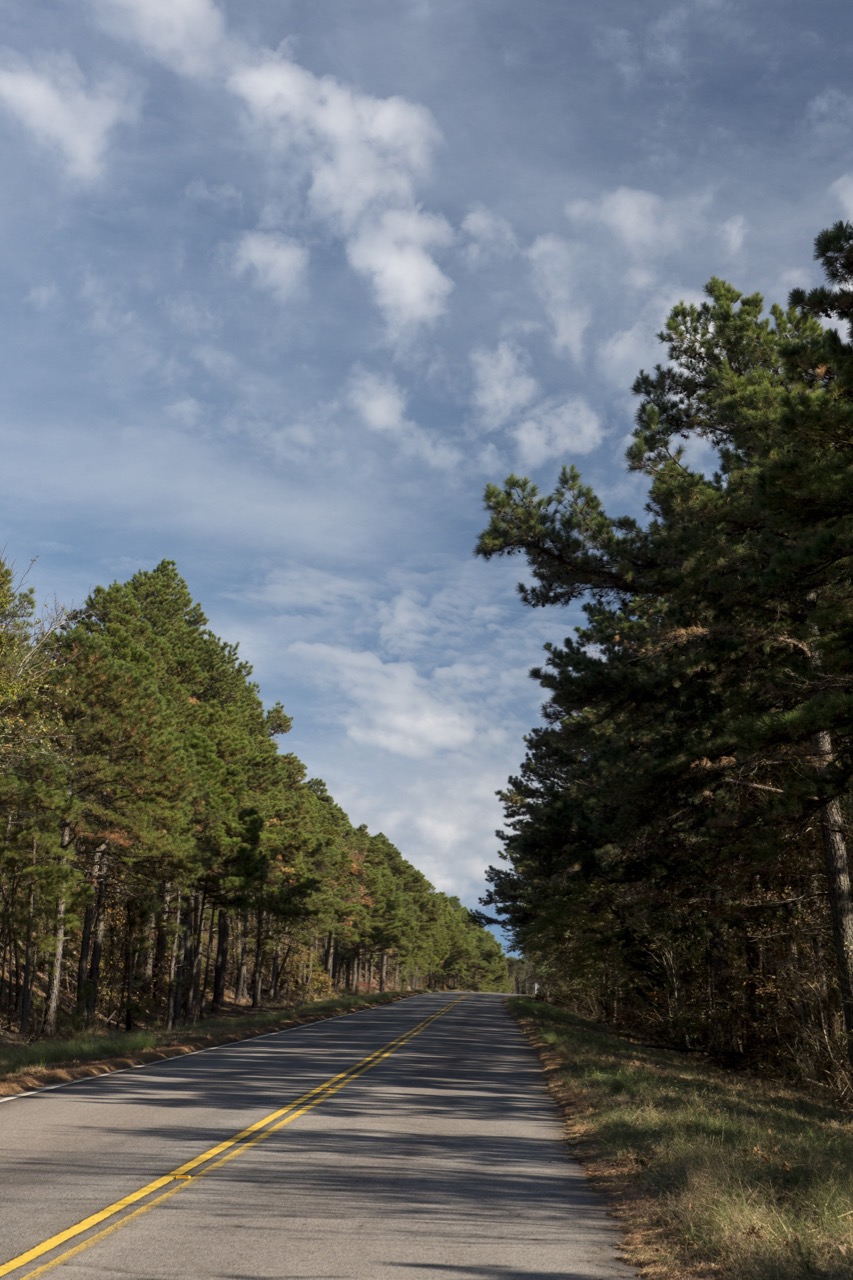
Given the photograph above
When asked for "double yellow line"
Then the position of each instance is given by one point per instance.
(214, 1158)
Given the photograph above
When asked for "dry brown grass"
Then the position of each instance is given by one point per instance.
(713, 1175)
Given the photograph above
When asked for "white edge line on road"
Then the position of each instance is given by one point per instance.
(226, 1044)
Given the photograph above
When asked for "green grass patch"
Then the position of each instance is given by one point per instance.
(103, 1046)
(720, 1174)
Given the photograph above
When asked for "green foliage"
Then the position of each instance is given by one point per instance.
(161, 855)
(663, 833)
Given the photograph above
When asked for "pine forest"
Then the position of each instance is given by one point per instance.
(161, 858)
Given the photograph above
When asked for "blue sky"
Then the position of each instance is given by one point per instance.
(285, 284)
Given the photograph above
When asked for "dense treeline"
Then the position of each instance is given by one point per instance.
(160, 857)
(675, 849)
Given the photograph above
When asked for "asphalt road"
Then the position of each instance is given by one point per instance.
(367, 1147)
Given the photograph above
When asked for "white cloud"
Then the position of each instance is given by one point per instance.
(381, 405)
(843, 190)
(215, 360)
(663, 47)
(361, 151)
(309, 588)
(379, 402)
(558, 430)
(491, 238)
(502, 384)
(423, 620)
(51, 99)
(616, 46)
(830, 115)
(43, 296)
(624, 353)
(191, 315)
(107, 313)
(391, 705)
(222, 195)
(733, 233)
(650, 227)
(186, 35)
(272, 261)
(186, 412)
(666, 43)
(392, 252)
(555, 264)
(362, 157)
(643, 221)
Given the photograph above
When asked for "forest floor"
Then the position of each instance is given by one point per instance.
(714, 1175)
(27, 1065)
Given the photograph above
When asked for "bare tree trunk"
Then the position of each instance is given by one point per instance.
(206, 974)
(26, 987)
(52, 1011)
(221, 967)
(93, 975)
(840, 896)
(194, 995)
(257, 975)
(242, 973)
(93, 924)
(173, 994)
(129, 967)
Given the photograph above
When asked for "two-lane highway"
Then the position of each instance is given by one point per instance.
(412, 1141)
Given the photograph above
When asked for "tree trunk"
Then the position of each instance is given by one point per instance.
(257, 975)
(221, 967)
(174, 971)
(840, 895)
(205, 978)
(93, 975)
(159, 977)
(242, 971)
(26, 989)
(194, 994)
(129, 966)
(52, 1011)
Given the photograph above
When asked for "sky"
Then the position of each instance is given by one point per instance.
(285, 284)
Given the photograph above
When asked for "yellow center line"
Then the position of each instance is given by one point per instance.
(211, 1159)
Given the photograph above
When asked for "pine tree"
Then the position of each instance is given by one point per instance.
(710, 691)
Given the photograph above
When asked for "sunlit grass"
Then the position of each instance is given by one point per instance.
(734, 1177)
(95, 1046)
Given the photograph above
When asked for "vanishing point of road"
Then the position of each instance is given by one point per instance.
(415, 1141)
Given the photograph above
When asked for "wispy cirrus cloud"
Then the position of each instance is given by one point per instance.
(62, 112)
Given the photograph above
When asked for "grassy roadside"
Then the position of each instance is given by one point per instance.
(713, 1174)
(41, 1062)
